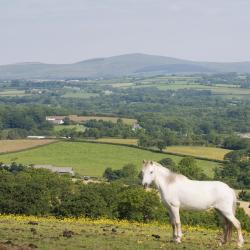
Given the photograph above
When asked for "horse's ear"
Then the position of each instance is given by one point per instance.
(151, 162)
(144, 161)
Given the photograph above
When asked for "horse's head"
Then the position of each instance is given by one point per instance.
(147, 173)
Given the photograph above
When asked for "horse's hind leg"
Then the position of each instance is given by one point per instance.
(225, 224)
(232, 219)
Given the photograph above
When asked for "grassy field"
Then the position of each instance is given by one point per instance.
(16, 145)
(79, 94)
(54, 234)
(91, 158)
(221, 89)
(206, 152)
(122, 85)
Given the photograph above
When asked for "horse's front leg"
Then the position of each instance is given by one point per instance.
(174, 227)
(177, 232)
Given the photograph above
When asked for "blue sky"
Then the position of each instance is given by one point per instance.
(65, 31)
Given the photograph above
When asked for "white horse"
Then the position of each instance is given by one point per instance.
(177, 192)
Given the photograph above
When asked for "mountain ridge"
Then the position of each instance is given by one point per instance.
(118, 66)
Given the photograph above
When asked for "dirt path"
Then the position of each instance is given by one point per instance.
(245, 206)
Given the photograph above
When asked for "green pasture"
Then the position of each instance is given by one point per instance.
(91, 158)
(79, 94)
(220, 89)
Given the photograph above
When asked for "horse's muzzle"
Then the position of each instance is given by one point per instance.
(145, 185)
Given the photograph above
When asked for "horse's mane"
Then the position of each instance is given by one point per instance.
(171, 174)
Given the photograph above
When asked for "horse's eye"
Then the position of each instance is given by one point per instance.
(151, 172)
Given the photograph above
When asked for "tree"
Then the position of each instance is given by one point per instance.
(188, 167)
(145, 141)
(129, 171)
(111, 174)
(236, 143)
(238, 155)
(161, 145)
(67, 121)
(168, 163)
(244, 195)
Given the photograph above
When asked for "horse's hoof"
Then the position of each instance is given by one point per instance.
(240, 244)
(221, 243)
(178, 240)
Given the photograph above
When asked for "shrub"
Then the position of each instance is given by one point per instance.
(136, 204)
(128, 173)
(31, 191)
(86, 202)
(187, 166)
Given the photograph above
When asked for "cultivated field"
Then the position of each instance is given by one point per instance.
(92, 158)
(205, 152)
(119, 141)
(73, 234)
(12, 93)
(16, 145)
(197, 151)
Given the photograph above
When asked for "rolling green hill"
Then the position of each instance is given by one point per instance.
(117, 66)
(91, 158)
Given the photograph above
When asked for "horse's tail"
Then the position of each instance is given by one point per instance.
(228, 222)
(229, 229)
(234, 202)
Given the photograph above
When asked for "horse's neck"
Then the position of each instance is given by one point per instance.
(161, 176)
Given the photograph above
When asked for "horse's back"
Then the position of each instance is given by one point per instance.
(204, 194)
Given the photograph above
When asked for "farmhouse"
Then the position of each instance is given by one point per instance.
(58, 120)
(136, 126)
(244, 135)
(60, 170)
(36, 137)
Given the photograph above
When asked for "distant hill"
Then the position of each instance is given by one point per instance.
(117, 66)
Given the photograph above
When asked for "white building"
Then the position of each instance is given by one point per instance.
(55, 120)
(59, 170)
